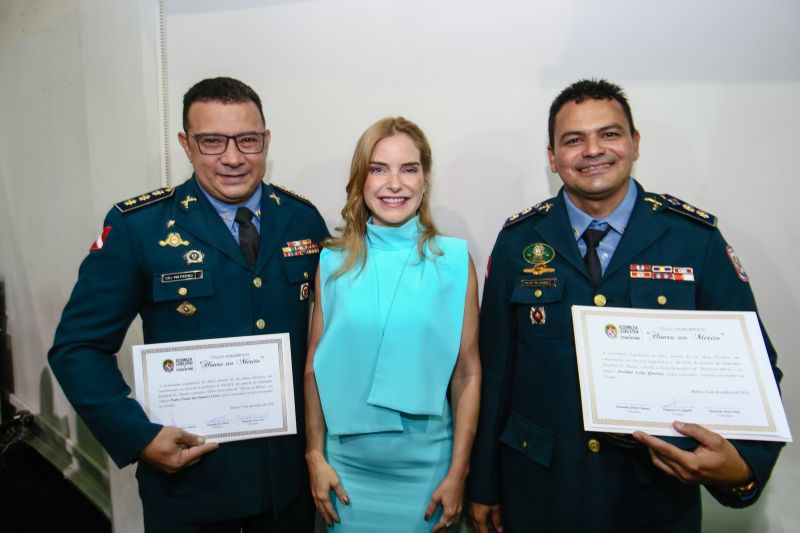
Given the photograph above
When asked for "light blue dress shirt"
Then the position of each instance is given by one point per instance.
(228, 211)
(617, 219)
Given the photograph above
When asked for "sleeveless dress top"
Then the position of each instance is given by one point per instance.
(391, 330)
(390, 340)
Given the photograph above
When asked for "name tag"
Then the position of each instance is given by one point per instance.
(181, 276)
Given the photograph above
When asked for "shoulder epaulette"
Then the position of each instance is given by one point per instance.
(542, 208)
(144, 199)
(293, 194)
(679, 206)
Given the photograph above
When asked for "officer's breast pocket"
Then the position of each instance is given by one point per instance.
(662, 294)
(183, 303)
(540, 307)
(300, 272)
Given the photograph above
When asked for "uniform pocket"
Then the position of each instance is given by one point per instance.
(183, 303)
(540, 306)
(662, 294)
(531, 440)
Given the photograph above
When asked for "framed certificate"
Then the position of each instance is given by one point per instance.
(642, 369)
(223, 389)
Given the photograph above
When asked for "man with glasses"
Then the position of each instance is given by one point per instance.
(222, 255)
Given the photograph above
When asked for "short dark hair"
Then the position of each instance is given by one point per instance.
(583, 89)
(224, 90)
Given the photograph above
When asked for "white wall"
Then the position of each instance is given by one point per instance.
(714, 88)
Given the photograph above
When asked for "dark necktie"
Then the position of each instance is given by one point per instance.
(592, 238)
(248, 235)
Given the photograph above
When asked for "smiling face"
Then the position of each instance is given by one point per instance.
(395, 181)
(593, 152)
(230, 176)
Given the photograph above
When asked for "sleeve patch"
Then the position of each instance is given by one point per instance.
(737, 264)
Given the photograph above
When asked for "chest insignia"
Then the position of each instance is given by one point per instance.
(193, 257)
(276, 198)
(174, 240)
(538, 255)
(538, 316)
(304, 291)
(186, 309)
(301, 247)
(675, 273)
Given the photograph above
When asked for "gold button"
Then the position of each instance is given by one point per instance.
(260, 324)
(594, 445)
(662, 300)
(257, 282)
(599, 300)
(524, 444)
(538, 293)
(305, 275)
(183, 291)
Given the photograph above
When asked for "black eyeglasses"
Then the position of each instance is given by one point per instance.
(251, 142)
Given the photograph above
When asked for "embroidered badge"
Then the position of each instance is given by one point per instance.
(538, 255)
(304, 291)
(193, 257)
(101, 240)
(173, 239)
(302, 247)
(186, 309)
(737, 264)
(538, 316)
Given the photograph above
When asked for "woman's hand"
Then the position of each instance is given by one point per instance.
(450, 495)
(323, 481)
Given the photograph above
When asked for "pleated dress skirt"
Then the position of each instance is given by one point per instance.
(390, 477)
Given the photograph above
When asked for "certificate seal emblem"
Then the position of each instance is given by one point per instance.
(538, 254)
(611, 331)
(169, 365)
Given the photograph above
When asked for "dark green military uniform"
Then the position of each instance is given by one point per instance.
(531, 453)
(168, 256)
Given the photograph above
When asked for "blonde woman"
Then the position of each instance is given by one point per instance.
(394, 328)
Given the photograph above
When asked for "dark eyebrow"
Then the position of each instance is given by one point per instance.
(612, 126)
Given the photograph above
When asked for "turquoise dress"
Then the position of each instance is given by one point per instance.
(389, 344)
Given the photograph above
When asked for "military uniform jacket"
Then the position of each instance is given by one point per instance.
(531, 453)
(168, 257)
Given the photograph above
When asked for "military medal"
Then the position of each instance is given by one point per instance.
(538, 316)
(301, 247)
(174, 239)
(538, 255)
(193, 257)
(186, 309)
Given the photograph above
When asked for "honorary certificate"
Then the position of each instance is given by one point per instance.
(642, 369)
(224, 389)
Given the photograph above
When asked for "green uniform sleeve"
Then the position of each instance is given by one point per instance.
(106, 298)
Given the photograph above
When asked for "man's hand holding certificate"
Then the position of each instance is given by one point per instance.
(641, 370)
(222, 389)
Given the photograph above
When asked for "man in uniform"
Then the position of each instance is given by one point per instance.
(222, 255)
(602, 241)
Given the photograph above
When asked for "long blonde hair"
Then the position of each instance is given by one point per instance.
(355, 212)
